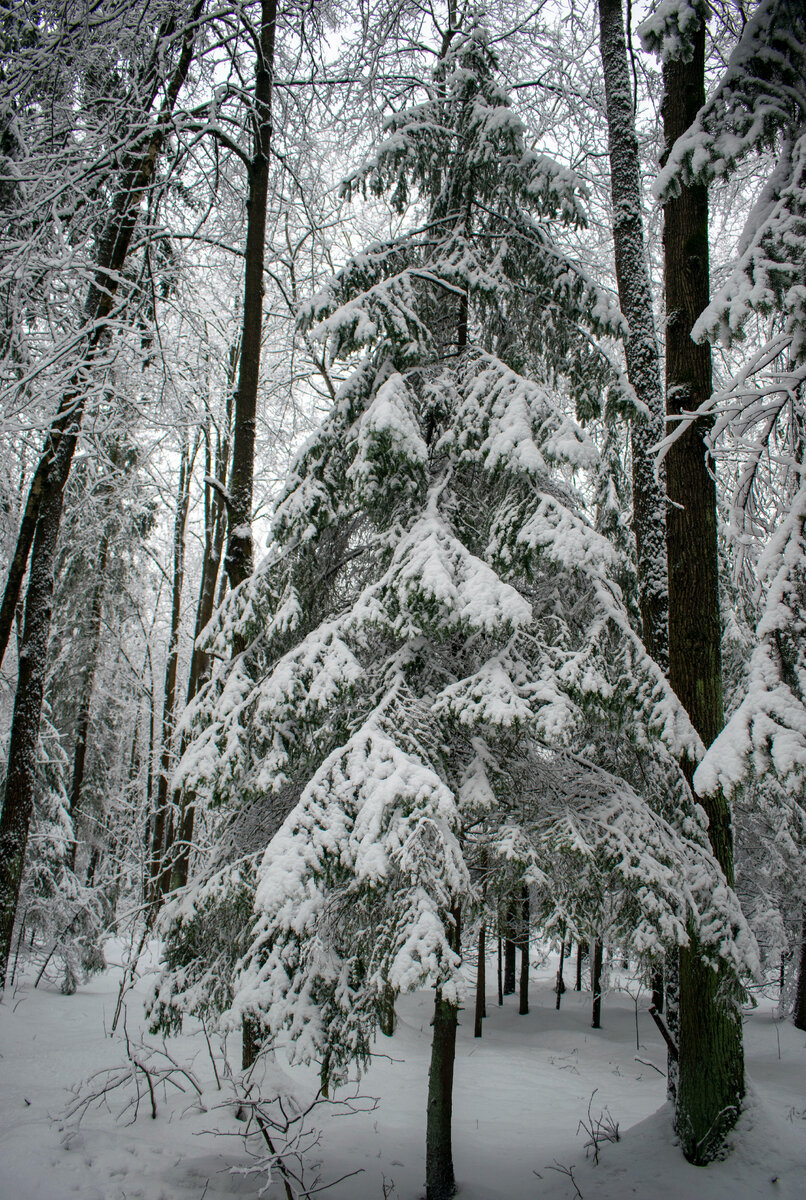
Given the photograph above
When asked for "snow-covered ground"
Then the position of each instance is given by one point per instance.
(520, 1095)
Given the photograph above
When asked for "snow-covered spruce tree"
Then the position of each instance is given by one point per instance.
(435, 637)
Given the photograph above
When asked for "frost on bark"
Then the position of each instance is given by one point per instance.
(640, 347)
(18, 800)
(711, 1082)
(643, 361)
(238, 561)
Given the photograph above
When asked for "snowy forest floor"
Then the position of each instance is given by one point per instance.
(521, 1094)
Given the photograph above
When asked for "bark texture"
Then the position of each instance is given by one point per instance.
(582, 950)
(481, 984)
(85, 695)
(523, 981)
(596, 983)
(640, 346)
(510, 967)
(439, 1173)
(238, 561)
(711, 1079)
(162, 828)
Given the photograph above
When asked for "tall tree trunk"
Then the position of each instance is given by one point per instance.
(439, 1173)
(481, 983)
(387, 1016)
(799, 1014)
(510, 946)
(499, 957)
(85, 697)
(24, 737)
(440, 1181)
(523, 983)
(510, 967)
(161, 829)
(597, 955)
(559, 983)
(582, 950)
(238, 561)
(215, 524)
(640, 346)
(711, 1078)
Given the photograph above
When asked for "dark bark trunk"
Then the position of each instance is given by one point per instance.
(21, 772)
(500, 973)
(582, 950)
(523, 985)
(559, 985)
(92, 865)
(596, 982)
(510, 968)
(657, 991)
(250, 1042)
(387, 1017)
(640, 346)
(481, 984)
(799, 1014)
(440, 1182)
(711, 1079)
(671, 996)
(18, 797)
(85, 698)
(159, 875)
(215, 525)
(238, 561)
(523, 982)
(439, 1173)
(25, 537)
